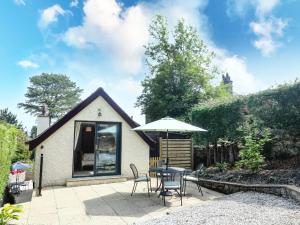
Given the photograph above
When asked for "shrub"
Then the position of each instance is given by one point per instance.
(251, 153)
(12, 149)
(9, 213)
(8, 144)
(222, 166)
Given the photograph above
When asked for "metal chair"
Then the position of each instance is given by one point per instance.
(193, 177)
(160, 163)
(171, 183)
(138, 179)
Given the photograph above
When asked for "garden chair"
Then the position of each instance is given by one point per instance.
(170, 183)
(193, 177)
(138, 179)
(160, 163)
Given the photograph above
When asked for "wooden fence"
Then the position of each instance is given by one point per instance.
(212, 154)
(180, 153)
(153, 164)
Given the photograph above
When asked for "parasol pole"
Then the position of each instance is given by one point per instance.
(167, 149)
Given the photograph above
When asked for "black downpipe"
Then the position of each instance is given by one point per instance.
(41, 176)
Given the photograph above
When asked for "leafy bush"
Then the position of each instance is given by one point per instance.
(9, 213)
(8, 145)
(12, 149)
(22, 152)
(222, 166)
(222, 119)
(276, 109)
(251, 153)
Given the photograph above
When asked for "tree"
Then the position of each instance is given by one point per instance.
(251, 153)
(10, 118)
(33, 132)
(180, 72)
(56, 91)
(21, 151)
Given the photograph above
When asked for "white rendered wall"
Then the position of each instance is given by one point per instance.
(58, 148)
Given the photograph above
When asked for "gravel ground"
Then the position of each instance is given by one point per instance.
(240, 208)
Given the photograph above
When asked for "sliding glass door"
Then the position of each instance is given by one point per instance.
(97, 148)
(107, 148)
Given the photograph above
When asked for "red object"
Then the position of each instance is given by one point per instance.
(13, 172)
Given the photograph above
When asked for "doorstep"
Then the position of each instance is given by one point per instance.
(83, 181)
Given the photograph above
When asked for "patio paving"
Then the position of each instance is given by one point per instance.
(104, 204)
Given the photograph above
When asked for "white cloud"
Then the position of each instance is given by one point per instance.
(27, 64)
(242, 7)
(50, 15)
(19, 2)
(105, 28)
(74, 3)
(122, 32)
(244, 81)
(267, 27)
(264, 7)
(267, 32)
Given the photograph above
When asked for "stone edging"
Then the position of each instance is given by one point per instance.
(286, 191)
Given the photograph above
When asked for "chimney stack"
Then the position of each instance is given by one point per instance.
(43, 120)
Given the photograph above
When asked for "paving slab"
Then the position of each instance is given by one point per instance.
(105, 204)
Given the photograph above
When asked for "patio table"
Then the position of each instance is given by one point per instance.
(164, 170)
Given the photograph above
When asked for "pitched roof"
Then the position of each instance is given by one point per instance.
(99, 92)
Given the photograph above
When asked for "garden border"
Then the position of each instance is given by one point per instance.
(286, 191)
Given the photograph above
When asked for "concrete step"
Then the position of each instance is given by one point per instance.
(83, 181)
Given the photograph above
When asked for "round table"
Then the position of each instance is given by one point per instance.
(164, 170)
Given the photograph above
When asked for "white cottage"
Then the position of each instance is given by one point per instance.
(93, 141)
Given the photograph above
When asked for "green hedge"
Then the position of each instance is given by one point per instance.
(230, 119)
(8, 145)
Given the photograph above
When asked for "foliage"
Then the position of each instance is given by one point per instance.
(9, 117)
(33, 132)
(232, 119)
(8, 145)
(278, 107)
(222, 166)
(56, 91)
(251, 153)
(180, 72)
(12, 149)
(22, 152)
(223, 118)
(9, 213)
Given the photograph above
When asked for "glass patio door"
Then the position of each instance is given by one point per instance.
(107, 148)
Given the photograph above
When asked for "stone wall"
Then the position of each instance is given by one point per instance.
(286, 191)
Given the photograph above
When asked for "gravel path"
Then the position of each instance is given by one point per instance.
(240, 208)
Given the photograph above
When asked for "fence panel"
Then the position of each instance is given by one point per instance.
(180, 152)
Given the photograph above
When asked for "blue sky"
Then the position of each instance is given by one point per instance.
(99, 43)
